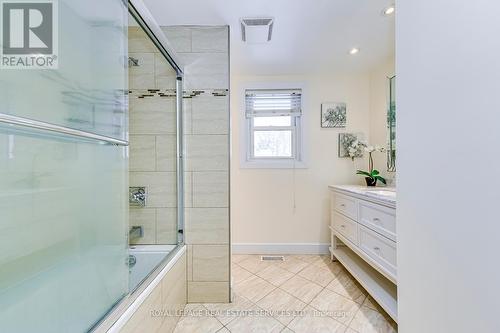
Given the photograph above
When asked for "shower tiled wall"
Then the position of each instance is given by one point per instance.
(152, 161)
(205, 54)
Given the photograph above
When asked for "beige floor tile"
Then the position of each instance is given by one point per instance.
(223, 330)
(226, 312)
(239, 274)
(197, 322)
(323, 260)
(275, 275)
(283, 304)
(345, 285)
(350, 330)
(320, 275)
(252, 324)
(254, 264)
(293, 264)
(236, 258)
(309, 258)
(371, 321)
(339, 307)
(254, 288)
(301, 288)
(372, 304)
(314, 322)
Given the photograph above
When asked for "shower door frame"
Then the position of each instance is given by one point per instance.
(143, 16)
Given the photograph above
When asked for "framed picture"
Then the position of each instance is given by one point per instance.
(333, 115)
(349, 145)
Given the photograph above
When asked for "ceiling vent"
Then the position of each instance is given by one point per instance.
(256, 30)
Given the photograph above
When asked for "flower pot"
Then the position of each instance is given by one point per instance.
(370, 181)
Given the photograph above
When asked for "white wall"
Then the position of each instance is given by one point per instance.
(262, 199)
(379, 95)
(448, 185)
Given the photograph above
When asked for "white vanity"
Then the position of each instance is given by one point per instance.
(363, 239)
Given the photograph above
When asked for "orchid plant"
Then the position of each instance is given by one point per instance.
(372, 175)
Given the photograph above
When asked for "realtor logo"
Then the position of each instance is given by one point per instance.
(29, 34)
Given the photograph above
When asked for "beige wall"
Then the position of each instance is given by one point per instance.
(379, 94)
(262, 205)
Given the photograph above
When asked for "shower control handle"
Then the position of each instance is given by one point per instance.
(137, 196)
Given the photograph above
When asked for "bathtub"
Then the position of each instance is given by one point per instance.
(143, 259)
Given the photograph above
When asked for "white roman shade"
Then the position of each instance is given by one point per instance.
(266, 103)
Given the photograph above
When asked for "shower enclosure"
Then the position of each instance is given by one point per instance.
(155, 109)
(64, 171)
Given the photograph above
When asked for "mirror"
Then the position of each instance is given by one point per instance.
(391, 126)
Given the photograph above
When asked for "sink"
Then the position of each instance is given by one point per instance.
(383, 193)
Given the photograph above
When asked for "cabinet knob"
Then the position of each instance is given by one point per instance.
(376, 248)
(376, 219)
(342, 205)
(342, 226)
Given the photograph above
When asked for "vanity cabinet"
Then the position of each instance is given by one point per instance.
(363, 239)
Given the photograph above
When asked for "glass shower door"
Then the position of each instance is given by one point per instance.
(64, 176)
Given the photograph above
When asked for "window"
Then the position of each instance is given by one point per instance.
(273, 123)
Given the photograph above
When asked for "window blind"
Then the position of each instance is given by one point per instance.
(262, 103)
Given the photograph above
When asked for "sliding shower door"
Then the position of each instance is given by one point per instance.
(63, 168)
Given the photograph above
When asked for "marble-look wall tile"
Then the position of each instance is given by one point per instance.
(141, 320)
(210, 39)
(189, 254)
(142, 76)
(210, 263)
(169, 295)
(166, 153)
(138, 41)
(212, 292)
(207, 153)
(205, 70)
(166, 226)
(210, 115)
(160, 187)
(165, 75)
(207, 225)
(179, 37)
(152, 115)
(205, 63)
(188, 189)
(142, 153)
(210, 189)
(145, 218)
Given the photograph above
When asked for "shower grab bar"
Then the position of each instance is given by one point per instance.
(40, 125)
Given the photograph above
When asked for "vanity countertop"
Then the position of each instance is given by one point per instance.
(386, 195)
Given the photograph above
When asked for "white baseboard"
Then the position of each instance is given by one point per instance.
(280, 248)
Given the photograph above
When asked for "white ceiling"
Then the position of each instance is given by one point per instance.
(309, 36)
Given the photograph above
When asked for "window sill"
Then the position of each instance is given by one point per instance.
(272, 164)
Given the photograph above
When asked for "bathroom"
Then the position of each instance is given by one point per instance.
(210, 166)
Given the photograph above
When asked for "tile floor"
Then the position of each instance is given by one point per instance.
(305, 293)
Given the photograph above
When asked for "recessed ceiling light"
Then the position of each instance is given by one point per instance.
(354, 51)
(389, 10)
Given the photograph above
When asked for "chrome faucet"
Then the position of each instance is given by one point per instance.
(137, 196)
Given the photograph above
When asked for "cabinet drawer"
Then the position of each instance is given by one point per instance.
(346, 227)
(379, 248)
(345, 205)
(378, 218)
